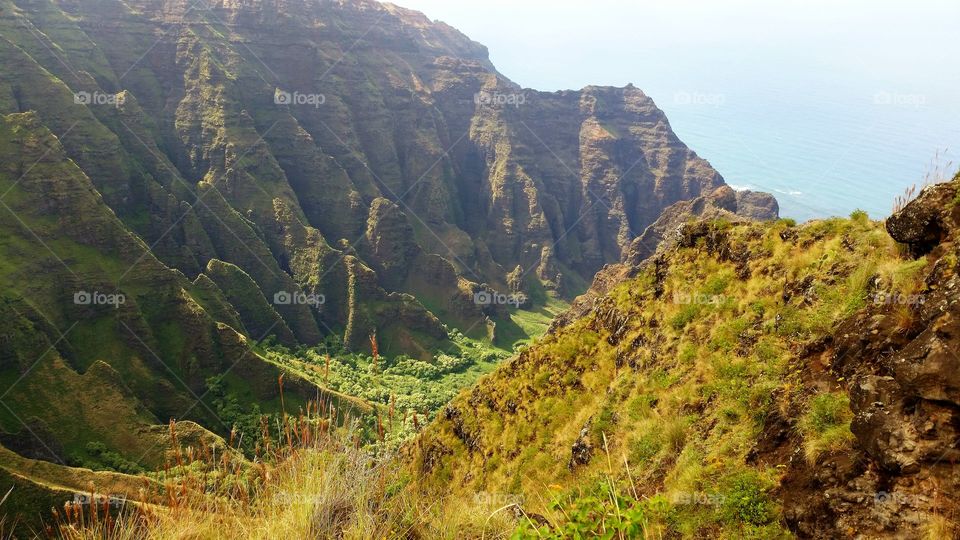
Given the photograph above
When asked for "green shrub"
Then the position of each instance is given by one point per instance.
(675, 433)
(718, 283)
(745, 499)
(108, 460)
(826, 424)
(640, 406)
(685, 316)
(601, 512)
(688, 353)
(645, 447)
(604, 424)
(827, 411)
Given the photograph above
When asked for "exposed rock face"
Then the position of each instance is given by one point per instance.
(284, 138)
(666, 231)
(900, 356)
(926, 222)
(723, 203)
(582, 449)
(390, 242)
(756, 205)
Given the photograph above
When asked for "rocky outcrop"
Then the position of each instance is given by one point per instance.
(257, 313)
(723, 203)
(898, 358)
(928, 221)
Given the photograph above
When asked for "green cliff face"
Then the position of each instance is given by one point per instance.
(102, 342)
(180, 182)
(266, 137)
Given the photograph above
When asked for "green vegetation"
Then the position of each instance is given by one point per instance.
(309, 481)
(676, 373)
(601, 512)
(859, 216)
(826, 425)
(100, 458)
(524, 326)
(744, 499)
(407, 386)
(667, 411)
(621, 425)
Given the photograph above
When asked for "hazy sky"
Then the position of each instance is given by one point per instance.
(551, 45)
(830, 104)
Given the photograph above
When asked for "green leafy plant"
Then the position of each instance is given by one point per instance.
(826, 424)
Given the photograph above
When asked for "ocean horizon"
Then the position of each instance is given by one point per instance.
(820, 154)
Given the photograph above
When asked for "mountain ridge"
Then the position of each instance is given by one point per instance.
(275, 190)
(192, 193)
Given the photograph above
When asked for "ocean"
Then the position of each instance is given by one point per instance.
(821, 153)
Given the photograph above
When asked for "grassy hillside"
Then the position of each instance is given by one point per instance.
(728, 389)
(659, 411)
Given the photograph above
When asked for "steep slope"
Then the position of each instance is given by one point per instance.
(723, 203)
(898, 361)
(267, 136)
(101, 341)
(185, 185)
(747, 379)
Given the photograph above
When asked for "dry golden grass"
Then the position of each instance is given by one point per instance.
(310, 482)
(939, 527)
